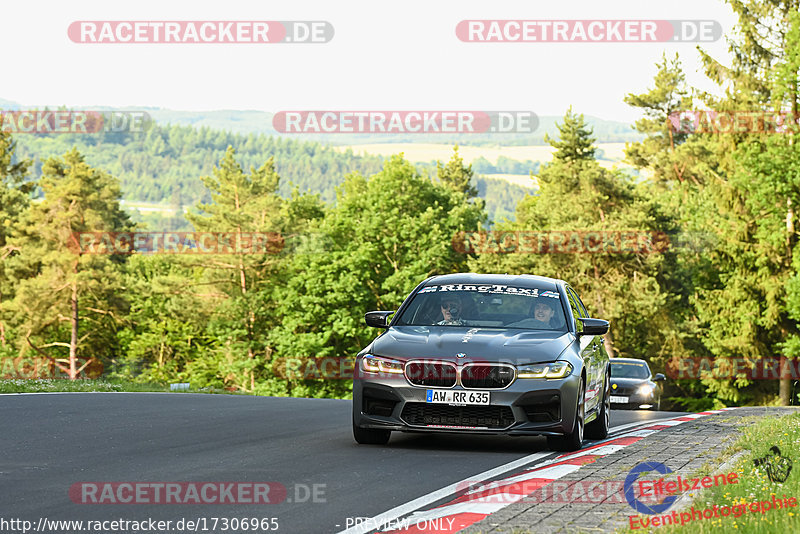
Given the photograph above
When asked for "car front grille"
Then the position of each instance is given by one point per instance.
(473, 376)
(486, 376)
(424, 414)
(431, 374)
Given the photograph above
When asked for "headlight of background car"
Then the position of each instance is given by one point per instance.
(376, 364)
(544, 370)
(646, 390)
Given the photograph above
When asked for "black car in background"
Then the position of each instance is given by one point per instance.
(633, 386)
(485, 354)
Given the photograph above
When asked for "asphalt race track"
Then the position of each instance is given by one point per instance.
(51, 441)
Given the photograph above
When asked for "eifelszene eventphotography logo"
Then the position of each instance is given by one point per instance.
(629, 487)
(777, 466)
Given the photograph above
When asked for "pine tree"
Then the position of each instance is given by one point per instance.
(662, 153)
(456, 175)
(68, 287)
(14, 199)
(761, 42)
(763, 76)
(242, 203)
(577, 195)
(575, 142)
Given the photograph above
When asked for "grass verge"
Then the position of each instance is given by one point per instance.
(754, 486)
(62, 385)
(56, 385)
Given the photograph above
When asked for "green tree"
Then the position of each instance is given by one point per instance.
(456, 175)
(682, 173)
(387, 233)
(664, 153)
(761, 41)
(628, 289)
(753, 194)
(575, 142)
(742, 303)
(242, 204)
(14, 199)
(165, 328)
(65, 287)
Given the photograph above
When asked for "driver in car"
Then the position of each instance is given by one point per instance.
(451, 310)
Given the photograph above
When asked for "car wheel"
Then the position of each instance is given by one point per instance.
(574, 440)
(598, 429)
(371, 436)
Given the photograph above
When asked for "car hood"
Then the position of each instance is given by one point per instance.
(511, 345)
(630, 381)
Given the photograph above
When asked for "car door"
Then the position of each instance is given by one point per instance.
(601, 356)
(588, 350)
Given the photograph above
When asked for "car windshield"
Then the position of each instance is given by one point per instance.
(629, 370)
(487, 306)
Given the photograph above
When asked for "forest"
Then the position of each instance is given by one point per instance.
(163, 165)
(229, 320)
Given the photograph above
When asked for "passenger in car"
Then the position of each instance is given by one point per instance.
(542, 311)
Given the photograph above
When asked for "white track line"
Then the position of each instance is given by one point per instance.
(411, 506)
(399, 511)
(617, 429)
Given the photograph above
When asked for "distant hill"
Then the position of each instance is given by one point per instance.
(163, 166)
(8, 104)
(261, 122)
(252, 121)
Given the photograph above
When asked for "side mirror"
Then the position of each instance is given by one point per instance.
(378, 319)
(593, 327)
(659, 377)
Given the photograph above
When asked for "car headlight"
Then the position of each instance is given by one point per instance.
(646, 389)
(376, 364)
(544, 370)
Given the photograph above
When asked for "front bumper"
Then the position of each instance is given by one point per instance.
(637, 401)
(526, 407)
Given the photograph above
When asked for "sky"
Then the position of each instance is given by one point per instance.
(383, 56)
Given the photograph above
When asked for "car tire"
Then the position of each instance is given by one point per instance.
(371, 436)
(574, 440)
(598, 429)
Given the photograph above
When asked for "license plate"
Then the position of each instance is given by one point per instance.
(458, 397)
(621, 400)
